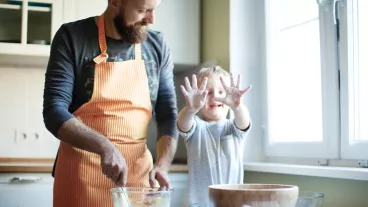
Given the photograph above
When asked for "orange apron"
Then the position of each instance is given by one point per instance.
(120, 108)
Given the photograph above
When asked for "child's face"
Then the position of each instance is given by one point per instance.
(214, 110)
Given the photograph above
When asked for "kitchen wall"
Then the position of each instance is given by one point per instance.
(250, 44)
(241, 53)
(215, 32)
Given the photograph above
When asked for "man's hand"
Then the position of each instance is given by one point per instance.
(114, 166)
(166, 148)
(77, 134)
(160, 174)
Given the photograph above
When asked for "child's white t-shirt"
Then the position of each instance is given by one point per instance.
(215, 156)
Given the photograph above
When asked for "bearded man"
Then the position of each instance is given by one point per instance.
(107, 76)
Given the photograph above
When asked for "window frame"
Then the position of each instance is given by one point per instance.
(329, 148)
(350, 148)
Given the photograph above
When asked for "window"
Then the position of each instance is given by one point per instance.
(354, 80)
(315, 79)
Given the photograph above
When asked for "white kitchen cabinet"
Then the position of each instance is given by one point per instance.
(27, 26)
(81, 9)
(22, 131)
(26, 189)
(179, 20)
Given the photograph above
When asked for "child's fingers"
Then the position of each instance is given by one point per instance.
(238, 83)
(204, 84)
(204, 95)
(224, 84)
(194, 82)
(232, 80)
(185, 93)
(246, 90)
(187, 84)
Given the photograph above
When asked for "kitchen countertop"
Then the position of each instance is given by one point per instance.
(45, 165)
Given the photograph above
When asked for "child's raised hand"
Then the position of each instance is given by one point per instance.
(233, 93)
(194, 97)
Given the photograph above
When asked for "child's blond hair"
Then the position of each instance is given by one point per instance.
(208, 72)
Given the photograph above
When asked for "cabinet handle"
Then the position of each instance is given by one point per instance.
(25, 179)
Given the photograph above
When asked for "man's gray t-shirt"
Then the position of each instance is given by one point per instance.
(215, 156)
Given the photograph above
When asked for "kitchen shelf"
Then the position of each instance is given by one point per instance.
(28, 26)
(30, 8)
(24, 49)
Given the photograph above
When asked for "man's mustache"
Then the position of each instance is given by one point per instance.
(142, 23)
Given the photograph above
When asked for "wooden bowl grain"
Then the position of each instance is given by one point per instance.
(254, 195)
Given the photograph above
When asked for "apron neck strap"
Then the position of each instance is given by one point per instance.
(138, 52)
(101, 33)
(102, 42)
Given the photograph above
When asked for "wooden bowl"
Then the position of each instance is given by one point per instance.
(254, 195)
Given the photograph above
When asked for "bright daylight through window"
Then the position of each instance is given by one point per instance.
(317, 77)
(295, 72)
(361, 70)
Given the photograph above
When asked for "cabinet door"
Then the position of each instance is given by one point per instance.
(85, 8)
(22, 130)
(27, 28)
(26, 189)
(13, 108)
(179, 20)
(81, 9)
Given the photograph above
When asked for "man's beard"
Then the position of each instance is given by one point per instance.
(132, 34)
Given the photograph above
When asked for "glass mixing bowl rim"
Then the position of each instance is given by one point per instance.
(313, 195)
(140, 190)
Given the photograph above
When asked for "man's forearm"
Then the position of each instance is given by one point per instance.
(241, 116)
(166, 148)
(78, 135)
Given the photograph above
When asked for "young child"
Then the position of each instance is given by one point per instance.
(214, 144)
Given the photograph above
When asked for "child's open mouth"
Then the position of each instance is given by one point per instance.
(216, 105)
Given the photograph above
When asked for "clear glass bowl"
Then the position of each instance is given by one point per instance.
(140, 197)
(309, 199)
(201, 205)
(208, 205)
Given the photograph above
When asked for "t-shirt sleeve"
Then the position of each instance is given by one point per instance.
(59, 83)
(188, 135)
(238, 132)
(166, 106)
